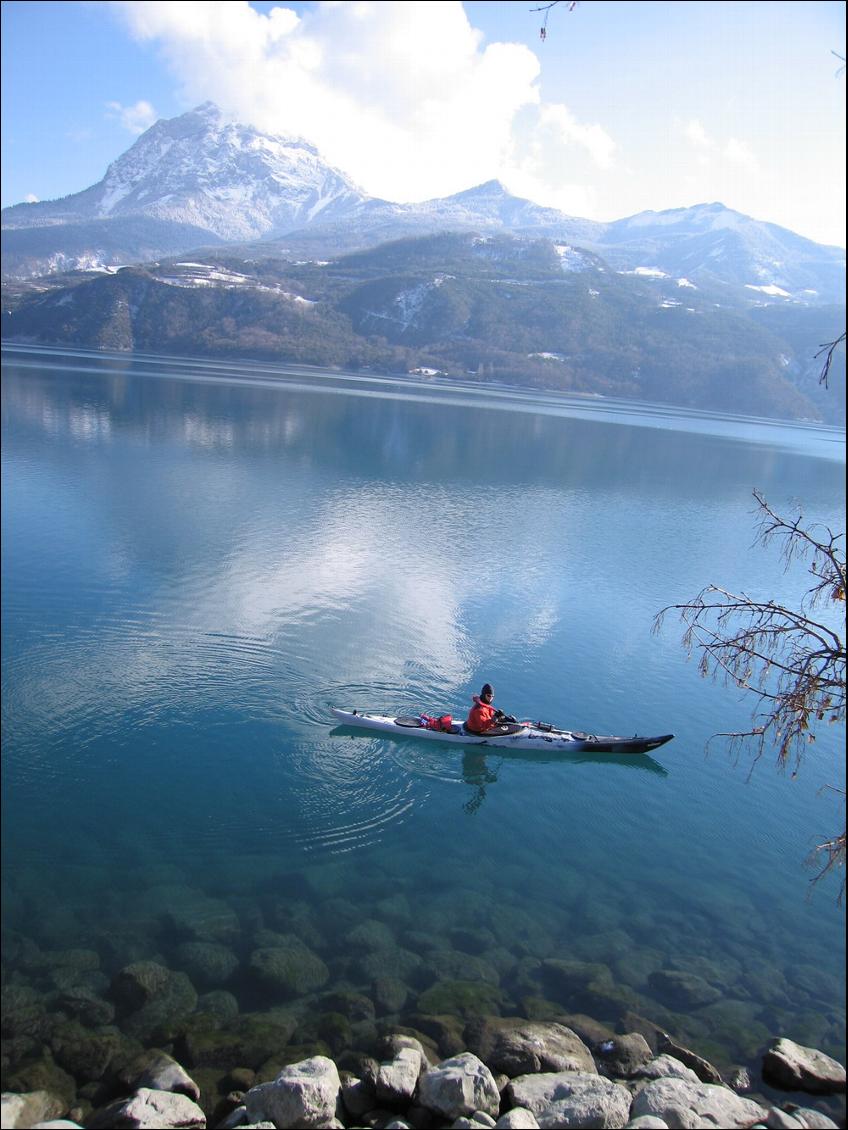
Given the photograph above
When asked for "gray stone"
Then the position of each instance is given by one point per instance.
(358, 1095)
(795, 1068)
(476, 1121)
(237, 1117)
(740, 1080)
(157, 1071)
(646, 1122)
(622, 1056)
(778, 1119)
(665, 1067)
(395, 1042)
(688, 1105)
(24, 1109)
(303, 1095)
(396, 1081)
(152, 1110)
(522, 1047)
(457, 1086)
(55, 1124)
(573, 1099)
(519, 1118)
(814, 1119)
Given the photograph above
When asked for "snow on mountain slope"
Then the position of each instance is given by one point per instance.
(203, 170)
(201, 179)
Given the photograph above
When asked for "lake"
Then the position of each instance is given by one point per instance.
(201, 559)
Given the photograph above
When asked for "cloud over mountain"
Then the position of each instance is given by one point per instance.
(405, 97)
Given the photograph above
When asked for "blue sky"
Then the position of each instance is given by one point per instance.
(625, 106)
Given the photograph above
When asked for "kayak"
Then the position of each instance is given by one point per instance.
(518, 735)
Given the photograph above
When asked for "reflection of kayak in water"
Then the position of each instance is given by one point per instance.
(537, 736)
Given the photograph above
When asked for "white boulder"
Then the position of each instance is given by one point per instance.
(304, 1095)
(575, 1099)
(688, 1105)
(459, 1086)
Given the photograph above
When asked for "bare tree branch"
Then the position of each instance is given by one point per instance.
(546, 8)
(828, 348)
(791, 661)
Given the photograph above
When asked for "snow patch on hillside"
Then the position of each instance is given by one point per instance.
(197, 275)
(772, 290)
(570, 259)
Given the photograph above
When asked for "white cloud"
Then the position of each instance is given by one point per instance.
(404, 96)
(30, 198)
(738, 153)
(136, 118)
(694, 132)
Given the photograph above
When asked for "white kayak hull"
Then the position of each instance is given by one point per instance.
(530, 735)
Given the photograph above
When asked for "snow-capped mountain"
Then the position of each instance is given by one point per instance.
(200, 179)
(200, 169)
(712, 243)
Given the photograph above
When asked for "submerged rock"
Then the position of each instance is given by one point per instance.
(390, 995)
(84, 1005)
(248, 1042)
(461, 998)
(152, 999)
(190, 914)
(291, 968)
(157, 1071)
(207, 964)
(85, 1054)
(702, 1067)
(682, 990)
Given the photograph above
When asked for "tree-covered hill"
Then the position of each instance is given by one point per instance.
(489, 307)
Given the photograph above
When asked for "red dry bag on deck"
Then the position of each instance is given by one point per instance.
(444, 724)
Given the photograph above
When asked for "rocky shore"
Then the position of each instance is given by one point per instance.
(159, 994)
(523, 1074)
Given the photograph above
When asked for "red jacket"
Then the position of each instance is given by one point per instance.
(480, 717)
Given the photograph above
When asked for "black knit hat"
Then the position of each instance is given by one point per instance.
(487, 689)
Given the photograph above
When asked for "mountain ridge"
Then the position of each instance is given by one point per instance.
(203, 173)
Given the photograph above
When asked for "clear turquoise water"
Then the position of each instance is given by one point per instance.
(198, 560)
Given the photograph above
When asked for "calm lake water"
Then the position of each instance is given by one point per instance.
(200, 559)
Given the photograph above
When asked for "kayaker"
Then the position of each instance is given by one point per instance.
(483, 716)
